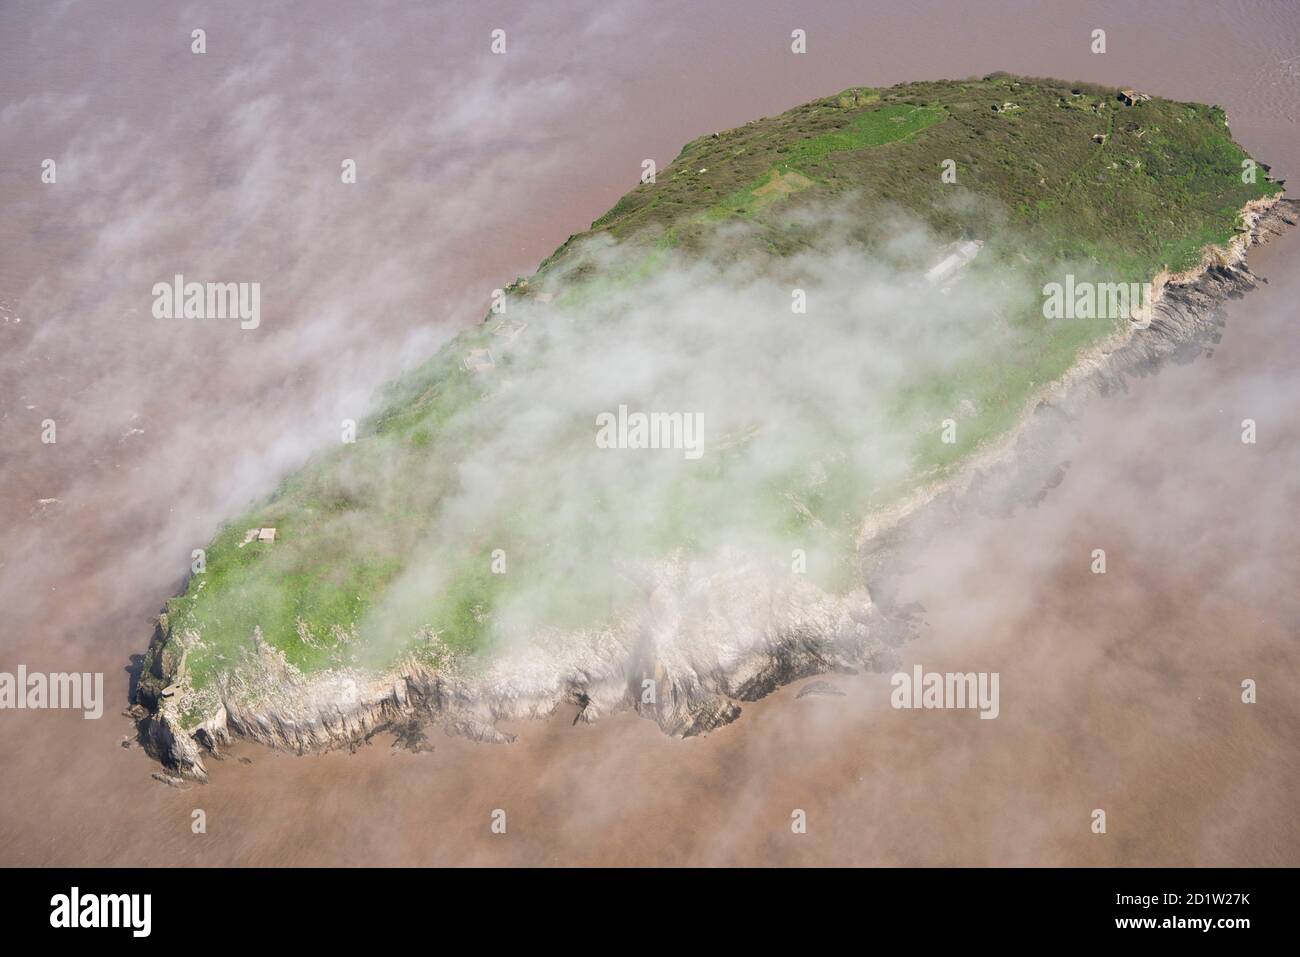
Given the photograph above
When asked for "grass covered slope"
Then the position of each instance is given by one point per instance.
(474, 508)
(1165, 182)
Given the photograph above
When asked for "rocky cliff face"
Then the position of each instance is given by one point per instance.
(1185, 321)
(709, 634)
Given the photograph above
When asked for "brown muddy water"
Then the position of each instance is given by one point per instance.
(1119, 691)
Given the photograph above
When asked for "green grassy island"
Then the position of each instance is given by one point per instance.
(920, 223)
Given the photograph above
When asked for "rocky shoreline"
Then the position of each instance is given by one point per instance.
(710, 634)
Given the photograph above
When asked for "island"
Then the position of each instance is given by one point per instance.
(658, 475)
